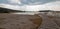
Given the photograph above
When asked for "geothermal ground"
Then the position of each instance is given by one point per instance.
(20, 21)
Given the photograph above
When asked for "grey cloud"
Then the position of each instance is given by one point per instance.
(3, 1)
(7, 2)
(28, 2)
(37, 1)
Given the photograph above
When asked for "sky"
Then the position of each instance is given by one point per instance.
(31, 5)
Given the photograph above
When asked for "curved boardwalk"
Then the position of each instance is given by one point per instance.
(49, 23)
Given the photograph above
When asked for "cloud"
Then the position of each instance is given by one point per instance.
(3, 1)
(33, 2)
(14, 1)
(27, 2)
(30, 5)
(42, 7)
(48, 6)
(14, 7)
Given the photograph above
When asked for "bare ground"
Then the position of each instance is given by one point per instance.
(39, 21)
(17, 21)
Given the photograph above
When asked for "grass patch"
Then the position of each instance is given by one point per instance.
(36, 21)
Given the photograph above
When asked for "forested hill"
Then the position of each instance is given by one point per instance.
(6, 10)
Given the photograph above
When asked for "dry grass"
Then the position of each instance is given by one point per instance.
(37, 21)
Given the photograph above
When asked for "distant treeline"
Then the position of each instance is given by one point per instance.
(46, 11)
(6, 10)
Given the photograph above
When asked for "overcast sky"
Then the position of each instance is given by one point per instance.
(34, 5)
(27, 2)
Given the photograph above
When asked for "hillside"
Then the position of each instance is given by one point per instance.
(6, 10)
